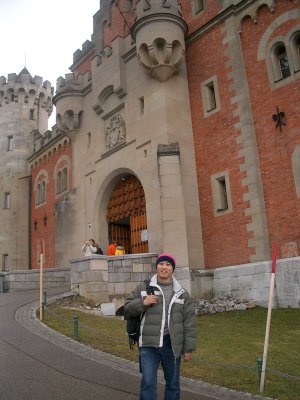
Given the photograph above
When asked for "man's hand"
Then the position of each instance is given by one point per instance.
(150, 299)
(187, 356)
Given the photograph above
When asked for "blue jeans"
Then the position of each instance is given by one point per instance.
(150, 358)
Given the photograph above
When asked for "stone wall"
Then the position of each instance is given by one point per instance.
(252, 282)
(14, 281)
(110, 279)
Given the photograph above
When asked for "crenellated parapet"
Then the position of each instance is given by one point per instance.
(86, 48)
(71, 82)
(75, 87)
(22, 88)
(46, 143)
(159, 32)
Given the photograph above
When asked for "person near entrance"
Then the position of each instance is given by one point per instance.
(168, 328)
(111, 249)
(120, 250)
(89, 248)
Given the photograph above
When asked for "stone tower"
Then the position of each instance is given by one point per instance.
(25, 105)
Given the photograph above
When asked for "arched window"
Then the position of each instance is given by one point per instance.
(283, 62)
(295, 48)
(40, 187)
(43, 192)
(58, 183)
(64, 179)
(38, 194)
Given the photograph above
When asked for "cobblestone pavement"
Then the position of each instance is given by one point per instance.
(26, 316)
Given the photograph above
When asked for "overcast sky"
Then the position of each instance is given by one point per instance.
(43, 35)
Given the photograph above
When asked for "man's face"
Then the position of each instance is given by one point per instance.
(164, 271)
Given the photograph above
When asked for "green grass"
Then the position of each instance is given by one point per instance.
(235, 339)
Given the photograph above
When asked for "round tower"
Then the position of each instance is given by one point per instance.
(25, 105)
(159, 32)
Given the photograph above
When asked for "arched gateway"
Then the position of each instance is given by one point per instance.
(126, 215)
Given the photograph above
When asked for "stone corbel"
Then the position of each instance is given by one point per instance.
(161, 59)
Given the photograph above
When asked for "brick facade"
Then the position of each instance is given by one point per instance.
(45, 167)
(275, 146)
(226, 239)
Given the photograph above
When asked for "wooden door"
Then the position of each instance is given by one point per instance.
(138, 228)
(126, 215)
(121, 233)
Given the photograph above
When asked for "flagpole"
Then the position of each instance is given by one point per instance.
(266, 345)
(41, 281)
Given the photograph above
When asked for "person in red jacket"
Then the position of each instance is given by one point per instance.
(111, 249)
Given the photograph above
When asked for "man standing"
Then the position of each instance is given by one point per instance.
(168, 328)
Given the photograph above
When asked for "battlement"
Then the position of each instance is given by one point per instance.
(158, 6)
(86, 47)
(25, 82)
(72, 82)
(41, 141)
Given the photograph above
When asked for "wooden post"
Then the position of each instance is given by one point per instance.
(266, 345)
(41, 281)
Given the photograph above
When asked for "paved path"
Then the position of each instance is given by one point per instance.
(37, 363)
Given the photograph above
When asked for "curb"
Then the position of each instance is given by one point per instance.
(26, 316)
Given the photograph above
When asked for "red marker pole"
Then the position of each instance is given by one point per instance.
(266, 345)
(41, 281)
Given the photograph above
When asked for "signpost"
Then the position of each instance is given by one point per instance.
(41, 281)
(264, 363)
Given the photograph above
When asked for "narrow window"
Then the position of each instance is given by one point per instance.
(43, 192)
(31, 114)
(64, 180)
(128, 5)
(12, 97)
(9, 145)
(38, 195)
(89, 140)
(7, 200)
(4, 262)
(142, 105)
(211, 96)
(297, 53)
(58, 183)
(222, 194)
(283, 62)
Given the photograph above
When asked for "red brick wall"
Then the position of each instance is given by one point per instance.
(46, 232)
(194, 21)
(225, 238)
(275, 147)
(85, 66)
(118, 24)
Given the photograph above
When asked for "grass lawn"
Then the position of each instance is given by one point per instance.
(228, 346)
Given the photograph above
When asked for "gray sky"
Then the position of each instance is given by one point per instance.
(43, 35)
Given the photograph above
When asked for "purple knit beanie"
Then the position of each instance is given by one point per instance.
(166, 257)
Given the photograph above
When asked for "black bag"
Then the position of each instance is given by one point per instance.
(99, 250)
(133, 324)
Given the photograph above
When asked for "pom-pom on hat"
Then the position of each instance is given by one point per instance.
(166, 257)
